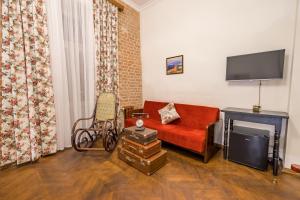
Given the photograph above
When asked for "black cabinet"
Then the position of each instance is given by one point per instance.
(249, 146)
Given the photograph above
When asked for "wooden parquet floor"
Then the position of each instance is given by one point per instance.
(71, 175)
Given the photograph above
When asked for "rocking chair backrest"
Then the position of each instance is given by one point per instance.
(106, 107)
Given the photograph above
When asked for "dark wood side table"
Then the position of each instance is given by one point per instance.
(264, 117)
(127, 111)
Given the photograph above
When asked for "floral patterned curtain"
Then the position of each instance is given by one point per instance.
(106, 39)
(27, 109)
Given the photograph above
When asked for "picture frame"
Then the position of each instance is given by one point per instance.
(174, 65)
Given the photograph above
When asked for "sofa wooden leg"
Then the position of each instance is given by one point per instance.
(206, 158)
(210, 153)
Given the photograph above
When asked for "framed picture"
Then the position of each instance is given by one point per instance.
(174, 65)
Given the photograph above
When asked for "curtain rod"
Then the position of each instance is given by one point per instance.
(117, 4)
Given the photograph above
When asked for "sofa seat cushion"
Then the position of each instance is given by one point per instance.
(189, 138)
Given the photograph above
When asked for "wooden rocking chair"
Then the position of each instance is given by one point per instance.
(104, 125)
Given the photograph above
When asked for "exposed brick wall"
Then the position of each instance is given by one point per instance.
(130, 58)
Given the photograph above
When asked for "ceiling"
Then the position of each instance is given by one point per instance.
(141, 2)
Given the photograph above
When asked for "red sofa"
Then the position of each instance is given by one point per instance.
(193, 131)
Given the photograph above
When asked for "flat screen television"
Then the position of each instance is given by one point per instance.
(256, 66)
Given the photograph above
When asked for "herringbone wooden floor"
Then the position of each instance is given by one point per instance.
(72, 175)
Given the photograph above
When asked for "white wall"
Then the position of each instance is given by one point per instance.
(293, 138)
(206, 32)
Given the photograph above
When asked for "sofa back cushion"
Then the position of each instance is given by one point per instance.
(152, 107)
(190, 115)
(196, 116)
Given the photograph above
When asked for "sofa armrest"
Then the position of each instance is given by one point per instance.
(210, 148)
(211, 127)
(210, 134)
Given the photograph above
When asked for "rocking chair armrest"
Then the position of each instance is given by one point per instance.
(81, 119)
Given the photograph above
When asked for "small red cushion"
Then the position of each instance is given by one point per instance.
(296, 168)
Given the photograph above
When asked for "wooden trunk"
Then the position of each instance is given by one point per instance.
(147, 166)
(142, 137)
(144, 151)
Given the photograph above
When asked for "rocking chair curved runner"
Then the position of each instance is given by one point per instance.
(104, 125)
